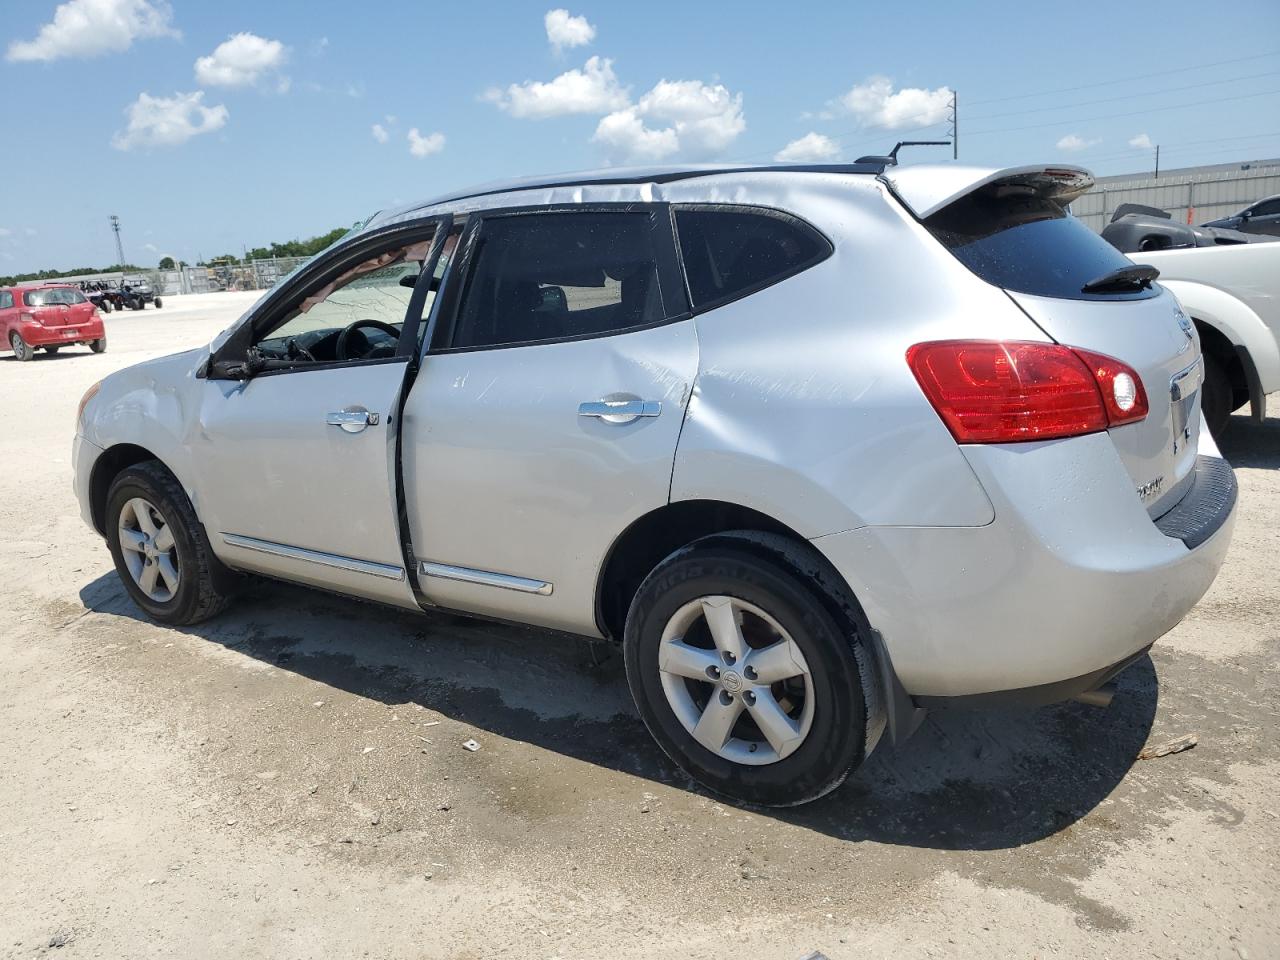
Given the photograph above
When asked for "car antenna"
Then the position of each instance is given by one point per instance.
(892, 159)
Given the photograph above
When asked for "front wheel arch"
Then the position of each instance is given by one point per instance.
(108, 466)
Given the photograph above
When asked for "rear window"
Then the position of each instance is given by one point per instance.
(52, 297)
(1021, 241)
(729, 253)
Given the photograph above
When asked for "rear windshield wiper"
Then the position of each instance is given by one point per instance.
(1136, 276)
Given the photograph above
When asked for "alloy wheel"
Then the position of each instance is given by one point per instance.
(736, 680)
(149, 551)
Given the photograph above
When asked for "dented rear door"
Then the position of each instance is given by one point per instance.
(532, 438)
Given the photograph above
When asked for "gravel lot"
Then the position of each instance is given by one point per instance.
(288, 780)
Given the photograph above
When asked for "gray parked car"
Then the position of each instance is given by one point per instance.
(1260, 217)
(821, 447)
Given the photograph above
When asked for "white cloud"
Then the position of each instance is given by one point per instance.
(566, 31)
(876, 104)
(684, 116)
(168, 121)
(89, 28)
(424, 146)
(1141, 142)
(626, 137)
(1073, 143)
(239, 61)
(812, 147)
(151, 246)
(380, 133)
(29, 231)
(593, 89)
(5, 232)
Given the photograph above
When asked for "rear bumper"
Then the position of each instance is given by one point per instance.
(38, 335)
(1071, 579)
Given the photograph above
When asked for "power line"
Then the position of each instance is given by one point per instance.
(840, 137)
(1128, 96)
(1141, 76)
(1130, 113)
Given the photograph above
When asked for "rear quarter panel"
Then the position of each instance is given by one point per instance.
(804, 407)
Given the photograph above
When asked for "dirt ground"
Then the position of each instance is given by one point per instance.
(288, 780)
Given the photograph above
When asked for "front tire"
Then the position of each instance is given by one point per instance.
(157, 302)
(748, 673)
(160, 548)
(21, 349)
(51, 350)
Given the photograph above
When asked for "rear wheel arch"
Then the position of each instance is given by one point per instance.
(655, 536)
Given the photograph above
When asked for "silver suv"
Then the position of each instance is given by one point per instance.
(821, 447)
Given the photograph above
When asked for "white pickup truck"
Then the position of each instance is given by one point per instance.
(1233, 295)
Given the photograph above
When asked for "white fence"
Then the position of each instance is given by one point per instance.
(1191, 197)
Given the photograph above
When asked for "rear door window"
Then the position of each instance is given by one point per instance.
(1019, 240)
(538, 277)
(730, 252)
(6, 300)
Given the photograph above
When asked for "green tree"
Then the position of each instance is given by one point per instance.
(166, 263)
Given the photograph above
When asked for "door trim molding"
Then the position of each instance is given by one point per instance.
(384, 570)
(485, 578)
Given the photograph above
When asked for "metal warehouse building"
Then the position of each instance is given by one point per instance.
(1191, 194)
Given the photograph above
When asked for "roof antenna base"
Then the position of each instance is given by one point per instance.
(892, 159)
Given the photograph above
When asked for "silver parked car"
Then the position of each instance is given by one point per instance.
(820, 446)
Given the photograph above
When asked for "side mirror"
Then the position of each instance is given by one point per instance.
(238, 369)
(1246, 214)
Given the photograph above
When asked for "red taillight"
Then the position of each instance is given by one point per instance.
(1122, 392)
(1002, 392)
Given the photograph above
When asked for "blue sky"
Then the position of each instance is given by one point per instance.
(242, 140)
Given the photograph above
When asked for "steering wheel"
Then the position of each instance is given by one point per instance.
(340, 349)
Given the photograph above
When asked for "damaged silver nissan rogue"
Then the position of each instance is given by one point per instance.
(821, 446)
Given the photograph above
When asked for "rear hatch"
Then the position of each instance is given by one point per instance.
(1012, 229)
(58, 306)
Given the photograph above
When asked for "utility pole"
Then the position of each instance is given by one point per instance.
(955, 125)
(115, 225)
(1157, 161)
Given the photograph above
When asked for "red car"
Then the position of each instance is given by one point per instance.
(48, 316)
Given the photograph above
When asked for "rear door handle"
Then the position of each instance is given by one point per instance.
(352, 420)
(620, 411)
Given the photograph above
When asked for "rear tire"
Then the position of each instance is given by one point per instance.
(1216, 396)
(157, 303)
(165, 561)
(99, 346)
(772, 590)
(106, 306)
(21, 350)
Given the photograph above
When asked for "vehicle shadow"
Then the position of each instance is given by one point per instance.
(977, 780)
(1247, 443)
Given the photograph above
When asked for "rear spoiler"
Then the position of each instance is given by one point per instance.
(926, 189)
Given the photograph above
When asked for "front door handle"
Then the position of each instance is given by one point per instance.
(353, 419)
(620, 411)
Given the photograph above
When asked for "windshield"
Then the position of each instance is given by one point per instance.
(1020, 240)
(52, 297)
